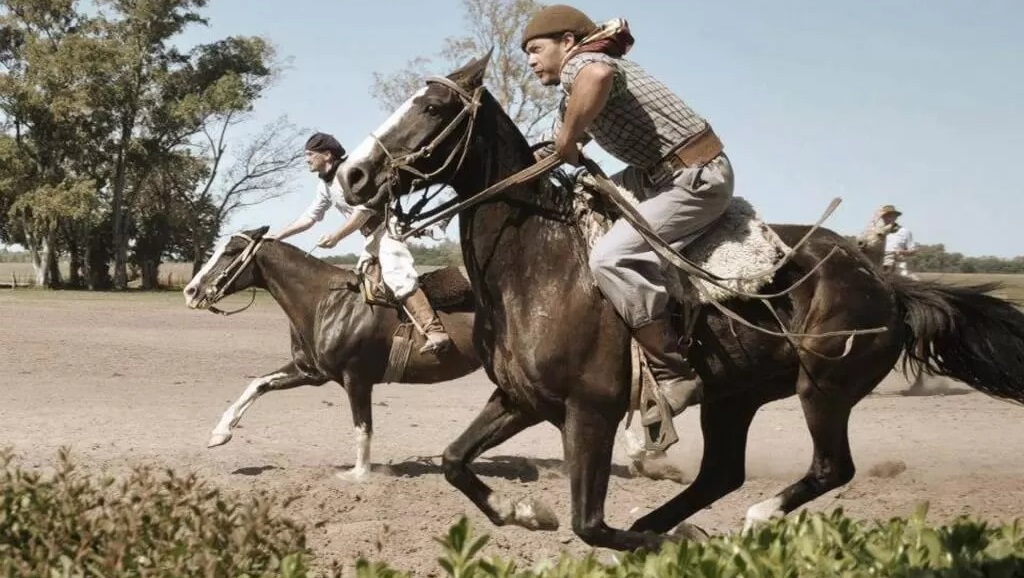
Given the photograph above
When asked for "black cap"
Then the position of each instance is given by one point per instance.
(322, 141)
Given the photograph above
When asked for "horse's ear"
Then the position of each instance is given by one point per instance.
(257, 234)
(472, 74)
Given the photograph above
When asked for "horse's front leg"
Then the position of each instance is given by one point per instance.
(499, 420)
(588, 437)
(287, 377)
(359, 399)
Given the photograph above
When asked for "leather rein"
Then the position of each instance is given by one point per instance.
(471, 104)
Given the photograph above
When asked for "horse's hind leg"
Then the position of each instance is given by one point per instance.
(831, 381)
(827, 409)
(287, 377)
(588, 437)
(497, 422)
(725, 425)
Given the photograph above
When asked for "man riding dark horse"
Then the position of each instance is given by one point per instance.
(675, 162)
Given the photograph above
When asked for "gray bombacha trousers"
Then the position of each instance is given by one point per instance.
(679, 210)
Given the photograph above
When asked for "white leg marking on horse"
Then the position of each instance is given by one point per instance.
(365, 148)
(634, 445)
(229, 419)
(192, 285)
(527, 513)
(763, 512)
(362, 467)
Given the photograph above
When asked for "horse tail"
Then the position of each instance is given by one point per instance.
(964, 333)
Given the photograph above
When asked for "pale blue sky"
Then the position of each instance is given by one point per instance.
(919, 103)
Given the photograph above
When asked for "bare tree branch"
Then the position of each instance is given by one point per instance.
(489, 23)
(263, 167)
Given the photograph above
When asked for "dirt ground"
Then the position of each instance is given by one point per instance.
(141, 379)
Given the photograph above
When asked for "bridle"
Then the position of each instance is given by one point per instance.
(405, 223)
(230, 274)
(399, 163)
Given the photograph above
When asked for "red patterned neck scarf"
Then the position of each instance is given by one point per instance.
(612, 38)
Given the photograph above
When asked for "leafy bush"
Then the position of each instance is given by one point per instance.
(147, 525)
(806, 544)
(70, 525)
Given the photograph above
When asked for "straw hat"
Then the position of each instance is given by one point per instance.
(888, 210)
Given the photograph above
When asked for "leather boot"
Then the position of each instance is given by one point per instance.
(666, 357)
(429, 323)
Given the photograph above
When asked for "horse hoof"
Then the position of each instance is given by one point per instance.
(534, 515)
(761, 513)
(218, 439)
(690, 533)
(353, 475)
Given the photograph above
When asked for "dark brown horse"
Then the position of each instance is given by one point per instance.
(335, 334)
(558, 351)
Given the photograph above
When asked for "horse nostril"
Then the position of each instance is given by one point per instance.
(190, 291)
(356, 178)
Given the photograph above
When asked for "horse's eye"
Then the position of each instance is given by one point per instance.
(431, 109)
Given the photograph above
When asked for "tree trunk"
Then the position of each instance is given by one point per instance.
(97, 260)
(40, 268)
(76, 262)
(119, 238)
(150, 272)
(32, 246)
(44, 262)
(75, 267)
(51, 266)
(37, 263)
(119, 242)
(198, 254)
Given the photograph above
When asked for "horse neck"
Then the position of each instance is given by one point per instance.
(524, 225)
(873, 244)
(295, 280)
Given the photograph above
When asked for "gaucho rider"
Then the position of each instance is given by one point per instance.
(324, 154)
(675, 161)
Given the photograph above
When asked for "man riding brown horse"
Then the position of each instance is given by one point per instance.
(675, 161)
(324, 155)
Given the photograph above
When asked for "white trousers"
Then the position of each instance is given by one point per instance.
(397, 267)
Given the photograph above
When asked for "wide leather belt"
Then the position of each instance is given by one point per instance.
(696, 151)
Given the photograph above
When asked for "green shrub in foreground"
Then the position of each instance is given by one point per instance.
(68, 524)
(806, 544)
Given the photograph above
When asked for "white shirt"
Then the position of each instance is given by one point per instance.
(901, 240)
(331, 195)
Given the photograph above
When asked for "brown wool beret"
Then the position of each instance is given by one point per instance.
(555, 19)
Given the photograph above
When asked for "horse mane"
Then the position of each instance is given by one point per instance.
(296, 254)
(560, 186)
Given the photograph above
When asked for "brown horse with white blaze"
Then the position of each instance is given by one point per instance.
(335, 334)
(559, 353)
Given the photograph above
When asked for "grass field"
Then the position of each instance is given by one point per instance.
(177, 275)
(1012, 284)
(171, 274)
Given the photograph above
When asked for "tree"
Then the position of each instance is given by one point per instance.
(45, 63)
(262, 168)
(159, 215)
(151, 90)
(41, 212)
(102, 96)
(489, 23)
